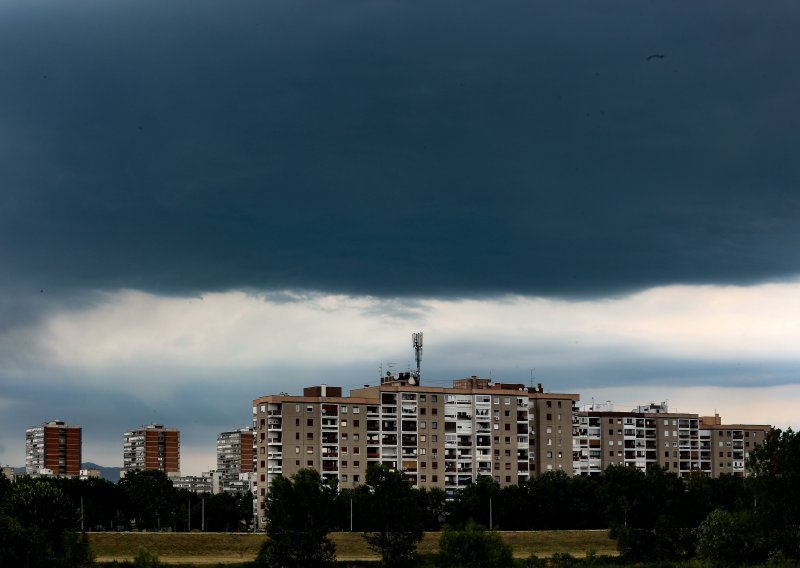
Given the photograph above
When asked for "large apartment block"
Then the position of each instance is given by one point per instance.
(53, 448)
(679, 442)
(236, 454)
(437, 436)
(152, 447)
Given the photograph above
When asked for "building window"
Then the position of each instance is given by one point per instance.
(355, 437)
(355, 423)
(422, 438)
(310, 422)
(356, 450)
(356, 478)
(423, 424)
(343, 409)
(309, 408)
(310, 436)
(356, 464)
(434, 438)
(297, 422)
(344, 478)
(344, 424)
(356, 410)
(344, 464)
(434, 398)
(549, 416)
(434, 425)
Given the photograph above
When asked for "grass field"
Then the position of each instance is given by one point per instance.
(222, 548)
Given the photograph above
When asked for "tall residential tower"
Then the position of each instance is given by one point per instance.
(152, 447)
(53, 448)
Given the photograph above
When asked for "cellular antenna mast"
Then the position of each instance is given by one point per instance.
(416, 342)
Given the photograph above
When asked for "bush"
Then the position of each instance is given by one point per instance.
(722, 539)
(145, 558)
(473, 547)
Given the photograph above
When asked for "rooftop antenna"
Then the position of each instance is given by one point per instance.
(416, 343)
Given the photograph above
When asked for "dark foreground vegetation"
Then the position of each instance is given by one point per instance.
(656, 518)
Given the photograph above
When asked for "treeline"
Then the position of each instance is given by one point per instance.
(43, 520)
(622, 496)
(146, 500)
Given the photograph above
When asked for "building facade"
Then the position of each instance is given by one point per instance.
(207, 482)
(152, 447)
(236, 454)
(681, 443)
(53, 448)
(437, 436)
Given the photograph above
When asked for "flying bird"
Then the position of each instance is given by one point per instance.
(655, 56)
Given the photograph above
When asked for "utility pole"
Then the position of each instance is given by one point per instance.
(81, 513)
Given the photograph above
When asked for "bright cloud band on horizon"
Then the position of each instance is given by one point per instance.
(243, 330)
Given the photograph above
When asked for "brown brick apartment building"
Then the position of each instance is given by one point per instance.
(53, 448)
(152, 447)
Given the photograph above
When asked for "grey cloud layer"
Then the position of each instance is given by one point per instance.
(397, 148)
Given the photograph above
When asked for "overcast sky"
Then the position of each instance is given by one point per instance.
(205, 202)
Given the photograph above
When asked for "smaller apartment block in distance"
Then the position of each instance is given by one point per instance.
(54, 448)
(441, 437)
(152, 447)
(236, 453)
(679, 442)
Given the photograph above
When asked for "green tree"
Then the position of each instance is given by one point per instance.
(473, 547)
(723, 539)
(150, 498)
(397, 516)
(299, 515)
(775, 467)
(434, 505)
(472, 503)
(38, 528)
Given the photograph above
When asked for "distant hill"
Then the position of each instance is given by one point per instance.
(108, 473)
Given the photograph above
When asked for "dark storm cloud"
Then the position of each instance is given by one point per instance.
(429, 148)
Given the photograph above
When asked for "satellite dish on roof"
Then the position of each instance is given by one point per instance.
(412, 381)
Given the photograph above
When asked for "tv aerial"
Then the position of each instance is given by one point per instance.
(416, 343)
